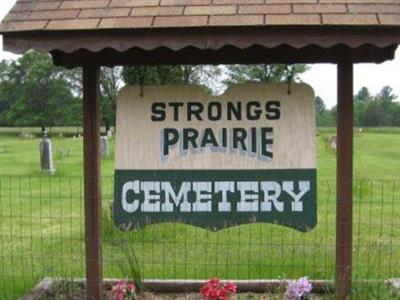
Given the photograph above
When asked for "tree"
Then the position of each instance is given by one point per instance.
(264, 73)
(324, 118)
(375, 111)
(386, 99)
(149, 75)
(38, 93)
(374, 115)
(359, 112)
(363, 95)
(320, 106)
(386, 95)
(322, 114)
(163, 75)
(110, 82)
(6, 91)
(206, 76)
(395, 115)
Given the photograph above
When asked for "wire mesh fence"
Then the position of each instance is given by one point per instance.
(42, 235)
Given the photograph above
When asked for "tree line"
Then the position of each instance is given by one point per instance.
(34, 92)
(369, 110)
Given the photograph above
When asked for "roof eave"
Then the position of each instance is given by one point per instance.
(379, 41)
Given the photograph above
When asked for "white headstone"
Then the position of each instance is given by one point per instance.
(46, 156)
(104, 149)
(334, 142)
(27, 136)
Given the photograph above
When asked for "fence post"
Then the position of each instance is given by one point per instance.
(344, 181)
(91, 145)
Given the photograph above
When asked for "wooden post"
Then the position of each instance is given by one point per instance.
(344, 181)
(91, 142)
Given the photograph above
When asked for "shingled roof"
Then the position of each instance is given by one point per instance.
(111, 14)
(204, 31)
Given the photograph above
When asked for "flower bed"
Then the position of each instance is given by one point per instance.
(214, 289)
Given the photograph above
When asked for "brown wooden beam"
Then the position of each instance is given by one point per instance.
(344, 211)
(91, 142)
(226, 55)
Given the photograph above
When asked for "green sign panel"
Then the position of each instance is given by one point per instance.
(216, 199)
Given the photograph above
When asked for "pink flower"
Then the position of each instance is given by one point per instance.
(124, 290)
(131, 288)
(298, 289)
(120, 295)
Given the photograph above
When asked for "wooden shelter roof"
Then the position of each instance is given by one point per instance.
(299, 28)
(116, 14)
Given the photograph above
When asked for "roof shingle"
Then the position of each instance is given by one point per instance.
(47, 15)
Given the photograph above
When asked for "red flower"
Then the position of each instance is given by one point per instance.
(214, 289)
(223, 294)
(231, 287)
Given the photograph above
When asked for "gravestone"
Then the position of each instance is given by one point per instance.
(46, 155)
(64, 153)
(334, 142)
(27, 136)
(104, 149)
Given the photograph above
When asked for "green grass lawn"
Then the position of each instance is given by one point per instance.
(42, 231)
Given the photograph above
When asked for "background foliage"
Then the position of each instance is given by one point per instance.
(34, 92)
(369, 110)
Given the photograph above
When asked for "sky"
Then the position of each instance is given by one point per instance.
(322, 77)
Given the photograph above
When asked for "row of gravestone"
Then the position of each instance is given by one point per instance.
(46, 153)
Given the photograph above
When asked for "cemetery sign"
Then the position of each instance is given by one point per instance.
(246, 156)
